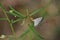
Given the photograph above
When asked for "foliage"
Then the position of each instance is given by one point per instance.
(21, 17)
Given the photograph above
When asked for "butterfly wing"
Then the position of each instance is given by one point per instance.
(37, 21)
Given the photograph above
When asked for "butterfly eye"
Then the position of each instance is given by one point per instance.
(37, 21)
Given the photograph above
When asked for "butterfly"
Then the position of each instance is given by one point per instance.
(37, 21)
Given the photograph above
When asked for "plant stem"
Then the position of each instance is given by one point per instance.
(9, 23)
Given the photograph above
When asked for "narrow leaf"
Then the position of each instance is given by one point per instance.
(11, 37)
(35, 12)
(12, 13)
(18, 13)
(35, 32)
(3, 19)
(40, 9)
(44, 13)
(24, 34)
(17, 20)
(1, 6)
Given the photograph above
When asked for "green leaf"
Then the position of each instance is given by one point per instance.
(18, 13)
(35, 32)
(44, 13)
(35, 12)
(11, 37)
(1, 6)
(3, 19)
(17, 20)
(14, 14)
(24, 34)
(40, 9)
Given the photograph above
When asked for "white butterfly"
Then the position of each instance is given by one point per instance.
(37, 21)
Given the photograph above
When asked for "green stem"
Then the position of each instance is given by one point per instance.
(30, 35)
(9, 23)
